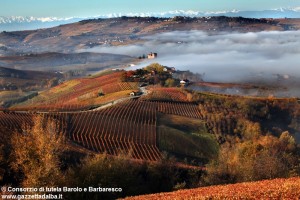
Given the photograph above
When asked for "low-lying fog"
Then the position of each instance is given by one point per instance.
(224, 57)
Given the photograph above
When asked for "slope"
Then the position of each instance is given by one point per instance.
(268, 189)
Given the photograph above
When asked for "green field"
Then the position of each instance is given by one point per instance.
(186, 138)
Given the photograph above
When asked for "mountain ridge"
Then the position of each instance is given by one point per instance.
(14, 23)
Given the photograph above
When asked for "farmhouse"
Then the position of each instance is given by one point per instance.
(184, 82)
(152, 55)
(133, 93)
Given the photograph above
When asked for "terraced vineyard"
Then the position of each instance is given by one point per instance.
(167, 94)
(183, 109)
(133, 127)
(116, 87)
(79, 94)
(14, 121)
(127, 127)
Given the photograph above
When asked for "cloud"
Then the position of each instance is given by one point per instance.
(297, 9)
(263, 52)
(223, 57)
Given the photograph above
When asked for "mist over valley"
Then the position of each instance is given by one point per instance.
(260, 52)
(262, 58)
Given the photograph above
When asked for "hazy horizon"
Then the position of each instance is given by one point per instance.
(80, 8)
(34, 14)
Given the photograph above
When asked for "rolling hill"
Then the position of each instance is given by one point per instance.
(52, 61)
(174, 131)
(162, 120)
(14, 79)
(125, 30)
(20, 85)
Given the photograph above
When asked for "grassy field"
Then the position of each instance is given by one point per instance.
(186, 138)
(182, 123)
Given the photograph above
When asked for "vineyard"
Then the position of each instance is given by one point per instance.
(117, 87)
(183, 109)
(268, 189)
(142, 126)
(99, 110)
(14, 121)
(128, 127)
(167, 94)
(80, 94)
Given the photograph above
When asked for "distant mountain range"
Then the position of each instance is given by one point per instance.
(16, 23)
(30, 23)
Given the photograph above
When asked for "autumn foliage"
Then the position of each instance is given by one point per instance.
(268, 189)
(264, 157)
(35, 154)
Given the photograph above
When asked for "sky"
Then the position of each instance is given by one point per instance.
(85, 8)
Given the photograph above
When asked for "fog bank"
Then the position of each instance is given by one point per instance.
(221, 56)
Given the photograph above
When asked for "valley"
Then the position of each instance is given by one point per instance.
(127, 30)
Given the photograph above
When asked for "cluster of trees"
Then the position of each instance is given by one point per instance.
(21, 97)
(153, 74)
(260, 138)
(74, 73)
(261, 157)
(142, 57)
(194, 77)
(134, 178)
(273, 115)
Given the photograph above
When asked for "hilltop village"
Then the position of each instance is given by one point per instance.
(163, 75)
